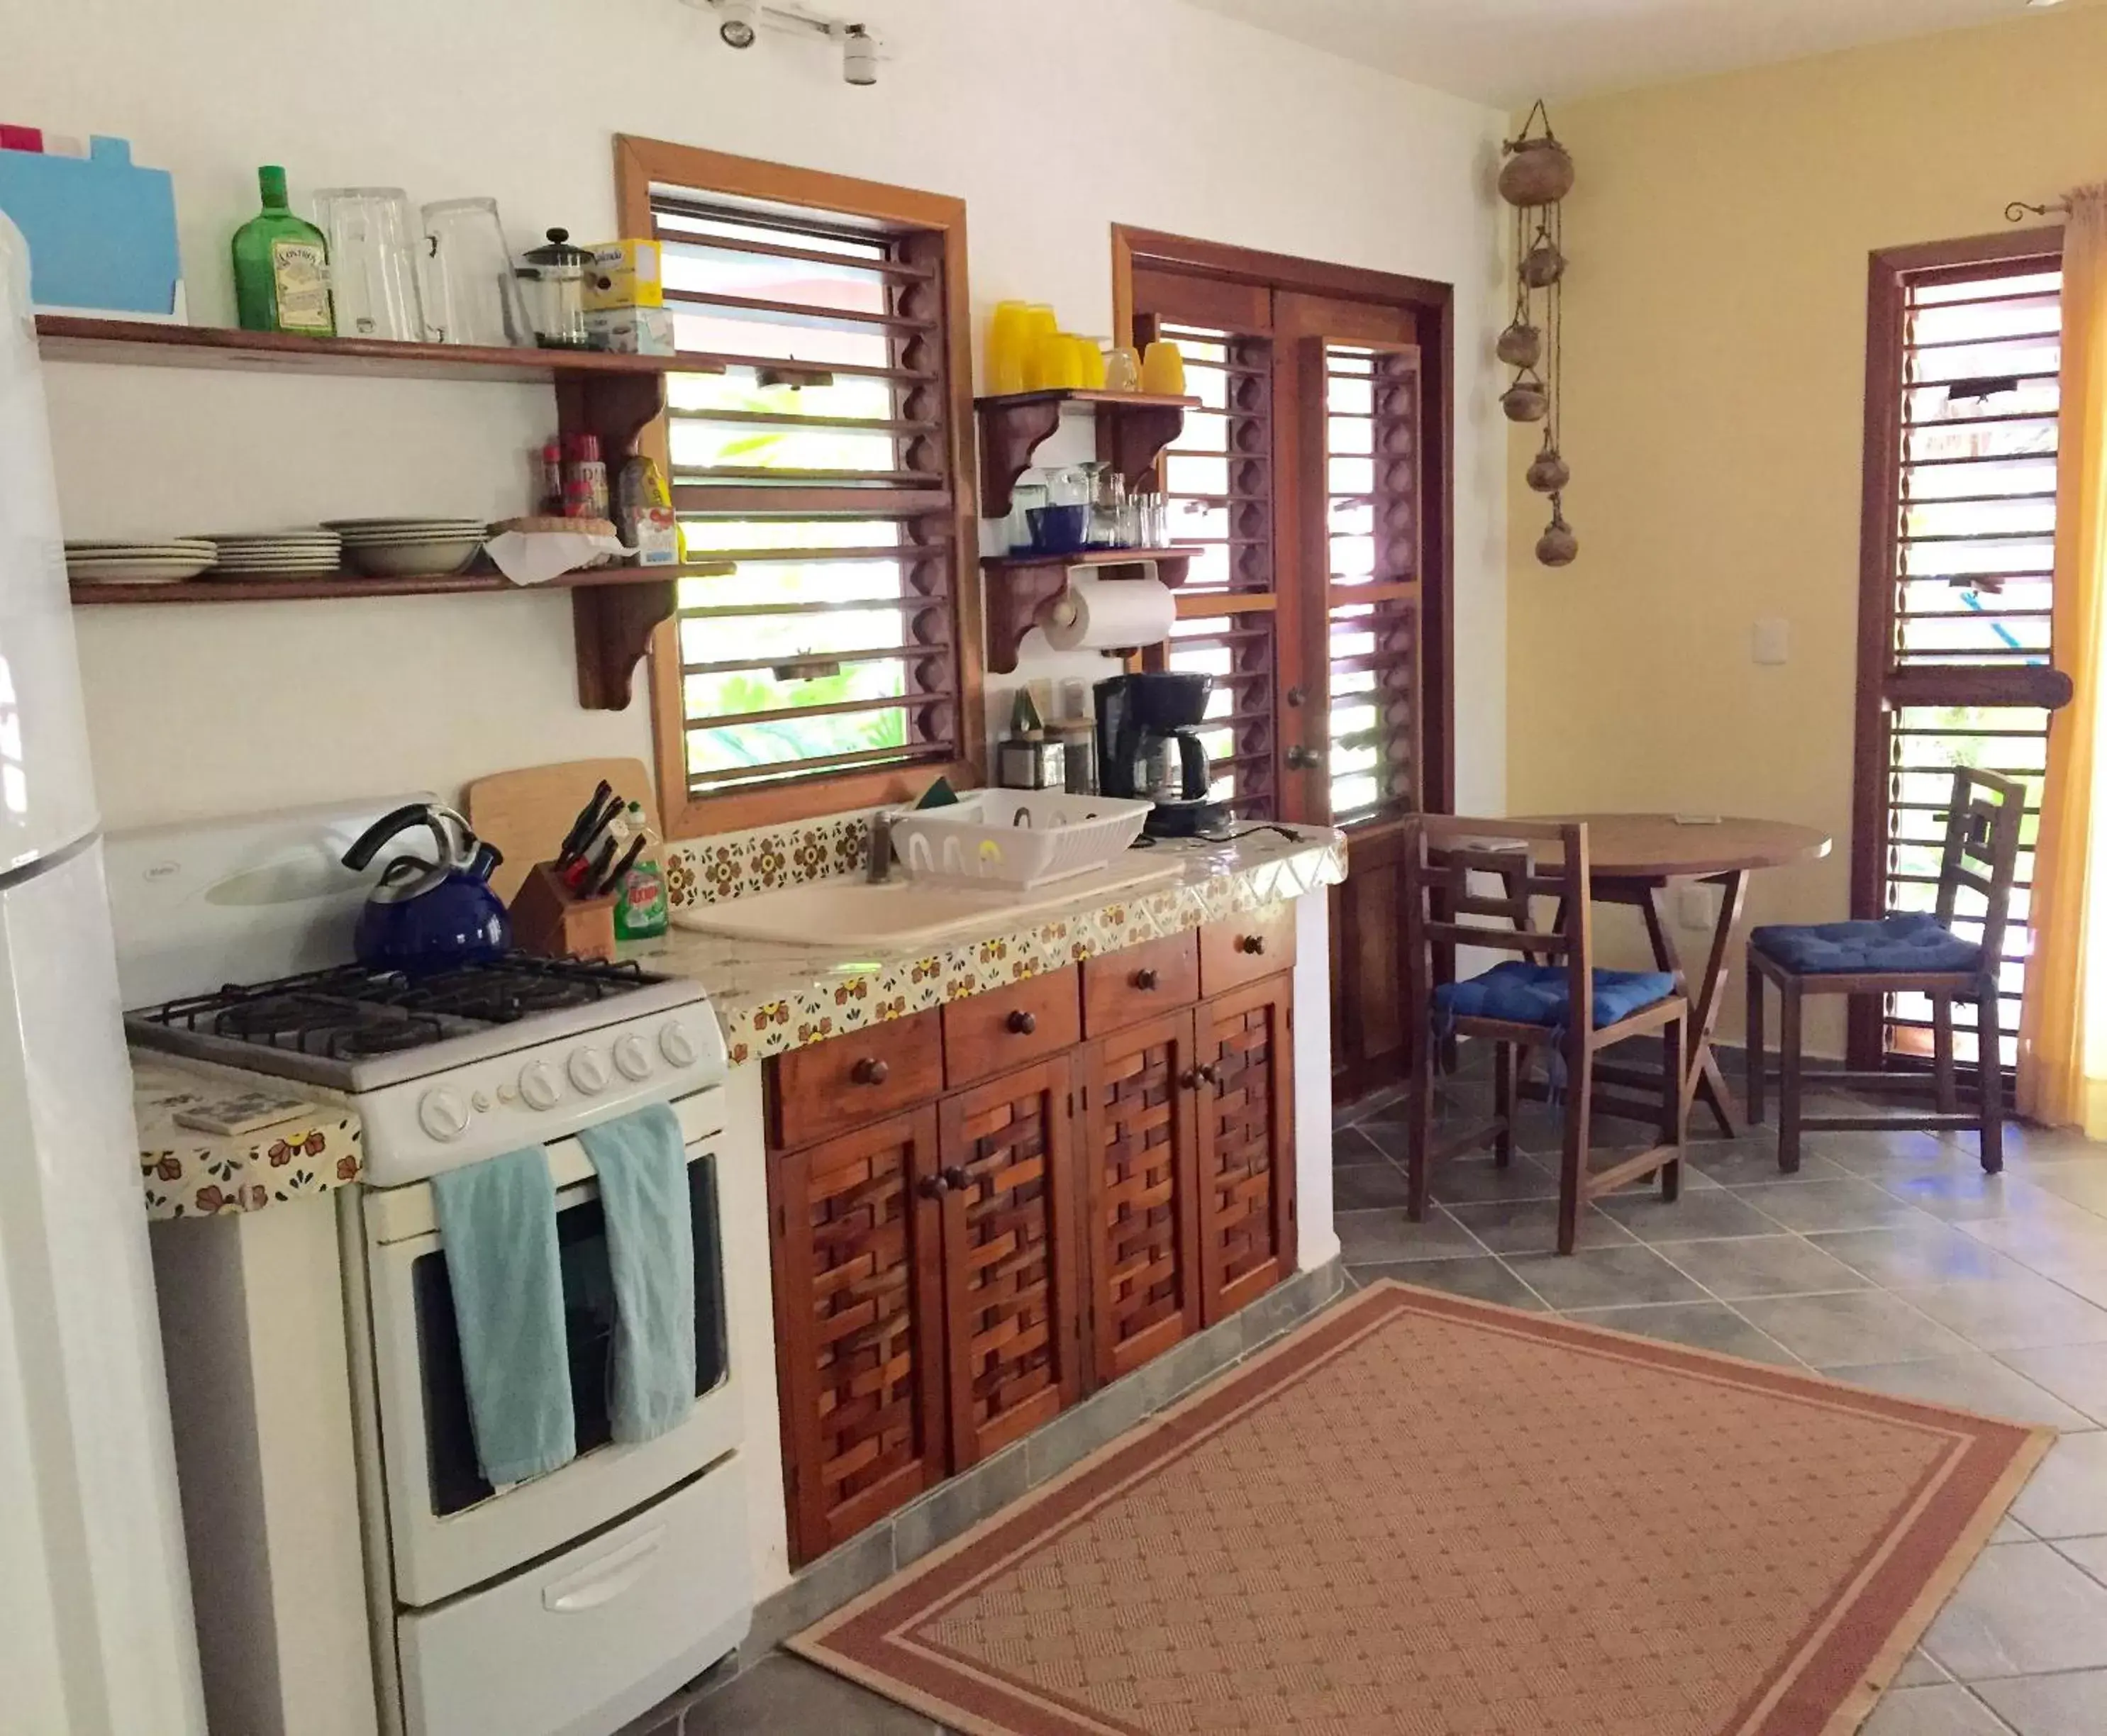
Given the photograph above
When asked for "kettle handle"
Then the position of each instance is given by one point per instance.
(360, 856)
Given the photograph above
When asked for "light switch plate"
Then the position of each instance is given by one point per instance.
(1772, 640)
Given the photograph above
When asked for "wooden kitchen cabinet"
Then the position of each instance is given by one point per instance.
(1140, 1159)
(1246, 1072)
(1013, 1301)
(1111, 1169)
(856, 1229)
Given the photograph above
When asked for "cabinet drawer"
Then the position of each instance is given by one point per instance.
(1121, 989)
(846, 1081)
(1247, 948)
(985, 1034)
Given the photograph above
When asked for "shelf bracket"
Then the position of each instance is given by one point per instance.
(613, 624)
(1138, 437)
(1019, 594)
(1009, 435)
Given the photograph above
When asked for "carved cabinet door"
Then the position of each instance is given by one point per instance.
(857, 1230)
(1012, 1300)
(1140, 1156)
(1247, 1115)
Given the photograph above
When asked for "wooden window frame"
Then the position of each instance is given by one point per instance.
(638, 163)
(1435, 302)
(1890, 273)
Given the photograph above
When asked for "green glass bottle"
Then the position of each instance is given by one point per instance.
(281, 267)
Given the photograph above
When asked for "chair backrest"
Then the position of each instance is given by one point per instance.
(1448, 861)
(1983, 852)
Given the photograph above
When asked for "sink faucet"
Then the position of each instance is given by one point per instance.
(878, 866)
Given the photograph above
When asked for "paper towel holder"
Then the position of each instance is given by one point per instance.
(1022, 588)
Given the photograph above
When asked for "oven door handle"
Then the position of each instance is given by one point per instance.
(606, 1579)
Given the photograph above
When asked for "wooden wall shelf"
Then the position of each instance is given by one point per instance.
(1133, 429)
(1020, 587)
(614, 398)
(138, 342)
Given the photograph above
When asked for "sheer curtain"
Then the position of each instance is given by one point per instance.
(2063, 1027)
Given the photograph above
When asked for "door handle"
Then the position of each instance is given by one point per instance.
(606, 1579)
(956, 1179)
(1301, 758)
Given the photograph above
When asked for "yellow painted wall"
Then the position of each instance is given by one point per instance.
(1715, 316)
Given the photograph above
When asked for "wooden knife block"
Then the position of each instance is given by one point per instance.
(551, 920)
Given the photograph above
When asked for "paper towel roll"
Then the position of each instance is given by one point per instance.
(1111, 614)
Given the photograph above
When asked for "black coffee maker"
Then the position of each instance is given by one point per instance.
(1149, 749)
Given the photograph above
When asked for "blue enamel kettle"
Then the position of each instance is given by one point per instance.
(426, 916)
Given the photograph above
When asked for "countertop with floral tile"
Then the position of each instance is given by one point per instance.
(771, 997)
(188, 1173)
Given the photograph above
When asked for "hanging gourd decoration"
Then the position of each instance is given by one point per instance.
(1558, 546)
(1521, 344)
(1535, 178)
(1549, 473)
(1526, 400)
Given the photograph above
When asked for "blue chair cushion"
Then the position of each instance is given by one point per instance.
(1536, 994)
(1914, 942)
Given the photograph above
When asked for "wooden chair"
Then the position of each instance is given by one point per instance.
(1897, 954)
(1564, 1005)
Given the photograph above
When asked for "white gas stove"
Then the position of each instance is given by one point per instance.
(215, 924)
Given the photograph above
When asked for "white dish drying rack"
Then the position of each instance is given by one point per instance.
(1016, 837)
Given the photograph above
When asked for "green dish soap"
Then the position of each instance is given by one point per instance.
(641, 908)
(281, 267)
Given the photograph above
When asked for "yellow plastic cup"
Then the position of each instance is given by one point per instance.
(1092, 358)
(1163, 369)
(1008, 341)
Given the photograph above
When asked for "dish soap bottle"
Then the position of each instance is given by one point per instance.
(281, 267)
(640, 905)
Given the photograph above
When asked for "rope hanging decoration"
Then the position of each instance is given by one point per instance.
(1535, 178)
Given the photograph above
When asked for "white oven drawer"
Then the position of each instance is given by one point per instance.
(580, 1644)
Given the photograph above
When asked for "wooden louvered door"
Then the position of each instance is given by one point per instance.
(1957, 591)
(1247, 1145)
(859, 1310)
(1011, 1301)
(1140, 1136)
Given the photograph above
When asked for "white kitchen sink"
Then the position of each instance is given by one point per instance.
(903, 913)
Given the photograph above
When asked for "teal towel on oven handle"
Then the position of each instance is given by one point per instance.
(643, 1170)
(497, 1226)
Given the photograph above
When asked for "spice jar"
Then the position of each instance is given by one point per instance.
(553, 280)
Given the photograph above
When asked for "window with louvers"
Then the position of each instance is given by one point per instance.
(1972, 576)
(1370, 414)
(821, 461)
(1218, 479)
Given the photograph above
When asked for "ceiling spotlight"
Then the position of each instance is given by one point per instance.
(740, 26)
(859, 55)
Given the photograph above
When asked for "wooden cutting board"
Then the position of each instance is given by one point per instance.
(527, 813)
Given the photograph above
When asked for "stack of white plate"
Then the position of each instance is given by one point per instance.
(392, 547)
(165, 563)
(277, 554)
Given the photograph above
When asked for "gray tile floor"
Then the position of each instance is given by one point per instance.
(1890, 1260)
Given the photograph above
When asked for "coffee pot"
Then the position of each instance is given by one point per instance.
(1149, 748)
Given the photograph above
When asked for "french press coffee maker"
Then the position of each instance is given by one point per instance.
(553, 279)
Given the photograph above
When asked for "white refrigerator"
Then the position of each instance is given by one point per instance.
(96, 1634)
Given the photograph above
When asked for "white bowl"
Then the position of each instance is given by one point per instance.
(409, 560)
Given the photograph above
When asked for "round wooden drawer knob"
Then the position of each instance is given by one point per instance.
(930, 1186)
(1024, 1024)
(1145, 980)
(956, 1179)
(1255, 945)
(871, 1071)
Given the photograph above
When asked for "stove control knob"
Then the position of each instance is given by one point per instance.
(677, 1046)
(539, 1087)
(442, 1114)
(588, 1071)
(632, 1058)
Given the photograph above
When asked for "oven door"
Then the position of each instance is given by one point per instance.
(449, 1528)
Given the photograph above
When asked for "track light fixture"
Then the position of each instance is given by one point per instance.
(740, 22)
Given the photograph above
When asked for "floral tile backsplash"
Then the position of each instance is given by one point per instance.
(737, 864)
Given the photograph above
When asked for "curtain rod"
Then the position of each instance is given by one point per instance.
(2018, 211)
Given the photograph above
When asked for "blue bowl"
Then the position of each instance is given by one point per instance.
(1059, 530)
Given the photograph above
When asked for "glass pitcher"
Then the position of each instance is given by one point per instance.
(470, 293)
(373, 249)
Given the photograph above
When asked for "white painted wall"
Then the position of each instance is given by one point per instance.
(1053, 121)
